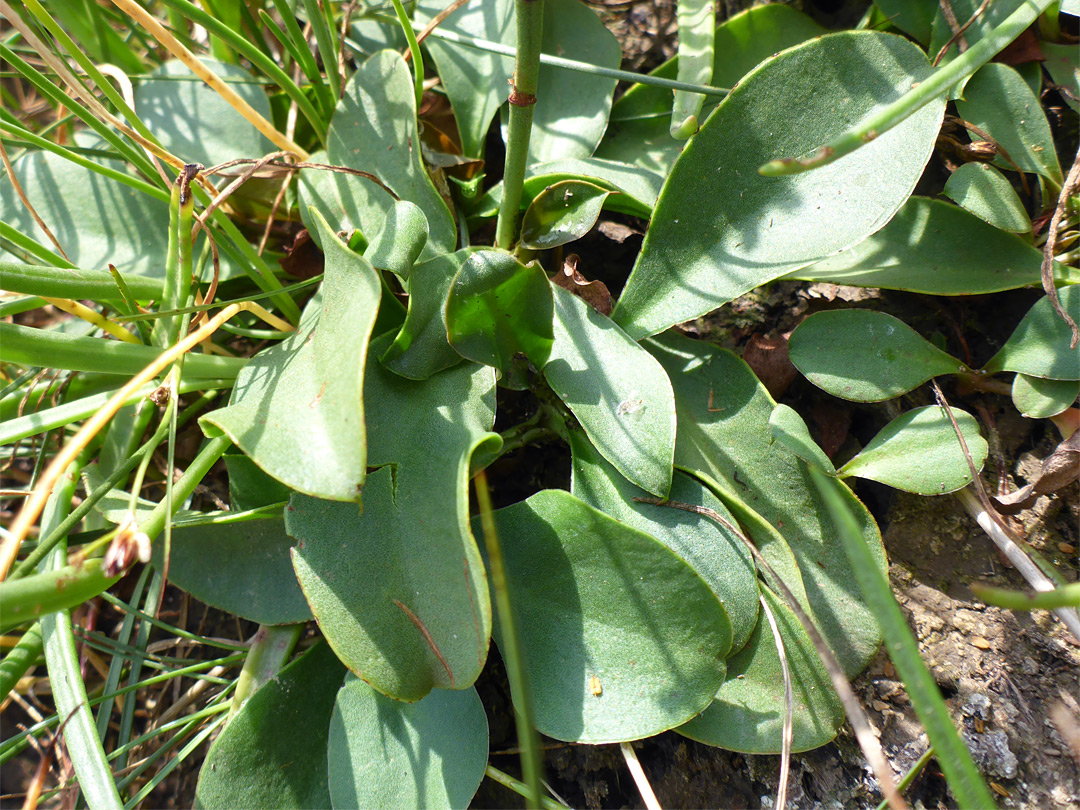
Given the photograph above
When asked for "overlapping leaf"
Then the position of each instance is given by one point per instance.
(984, 191)
(790, 430)
(621, 638)
(388, 754)
(273, 752)
(297, 409)
(720, 229)
(399, 588)
(1039, 346)
(1038, 398)
(724, 438)
(619, 394)
(561, 213)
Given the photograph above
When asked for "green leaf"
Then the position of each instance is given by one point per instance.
(984, 191)
(746, 714)
(934, 247)
(724, 439)
(374, 130)
(387, 754)
(297, 409)
(618, 392)
(638, 131)
(942, 31)
(718, 556)
(790, 430)
(721, 229)
(866, 356)
(242, 568)
(498, 308)
(964, 780)
(561, 213)
(98, 39)
(1037, 398)
(399, 589)
(913, 17)
(421, 348)
(250, 487)
(66, 282)
(401, 241)
(1063, 65)
(273, 752)
(919, 452)
(1039, 346)
(572, 108)
(475, 81)
(194, 122)
(697, 27)
(997, 100)
(621, 638)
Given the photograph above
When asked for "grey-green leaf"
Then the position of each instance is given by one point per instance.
(720, 229)
(242, 568)
(194, 122)
(1038, 398)
(984, 191)
(399, 589)
(998, 101)
(1039, 346)
(273, 752)
(715, 553)
(374, 130)
(621, 638)
(401, 241)
(919, 452)
(724, 439)
(791, 431)
(400, 756)
(297, 409)
(866, 356)
(617, 391)
(562, 213)
(746, 714)
(933, 247)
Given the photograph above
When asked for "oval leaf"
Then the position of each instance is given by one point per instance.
(790, 430)
(866, 356)
(387, 754)
(297, 409)
(621, 638)
(562, 213)
(498, 308)
(746, 714)
(399, 588)
(618, 392)
(984, 191)
(919, 452)
(720, 229)
(1039, 346)
(254, 764)
(1037, 398)
(933, 247)
(719, 557)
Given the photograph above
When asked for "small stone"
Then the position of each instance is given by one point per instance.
(980, 642)
(1066, 548)
(879, 705)
(977, 705)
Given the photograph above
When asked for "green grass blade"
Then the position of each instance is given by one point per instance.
(966, 783)
(77, 282)
(325, 41)
(1062, 597)
(20, 658)
(23, 244)
(302, 54)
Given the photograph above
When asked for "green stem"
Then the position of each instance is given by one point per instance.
(510, 646)
(20, 658)
(519, 787)
(414, 51)
(910, 776)
(1065, 596)
(915, 99)
(566, 64)
(530, 34)
(269, 651)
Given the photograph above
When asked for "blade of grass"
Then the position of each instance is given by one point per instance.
(74, 282)
(697, 31)
(62, 658)
(326, 43)
(117, 664)
(965, 782)
(1064, 596)
(20, 658)
(520, 788)
(528, 740)
(941, 81)
(414, 51)
(26, 246)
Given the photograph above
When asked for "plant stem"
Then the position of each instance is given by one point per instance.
(414, 51)
(269, 650)
(530, 34)
(506, 780)
(940, 81)
(19, 660)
